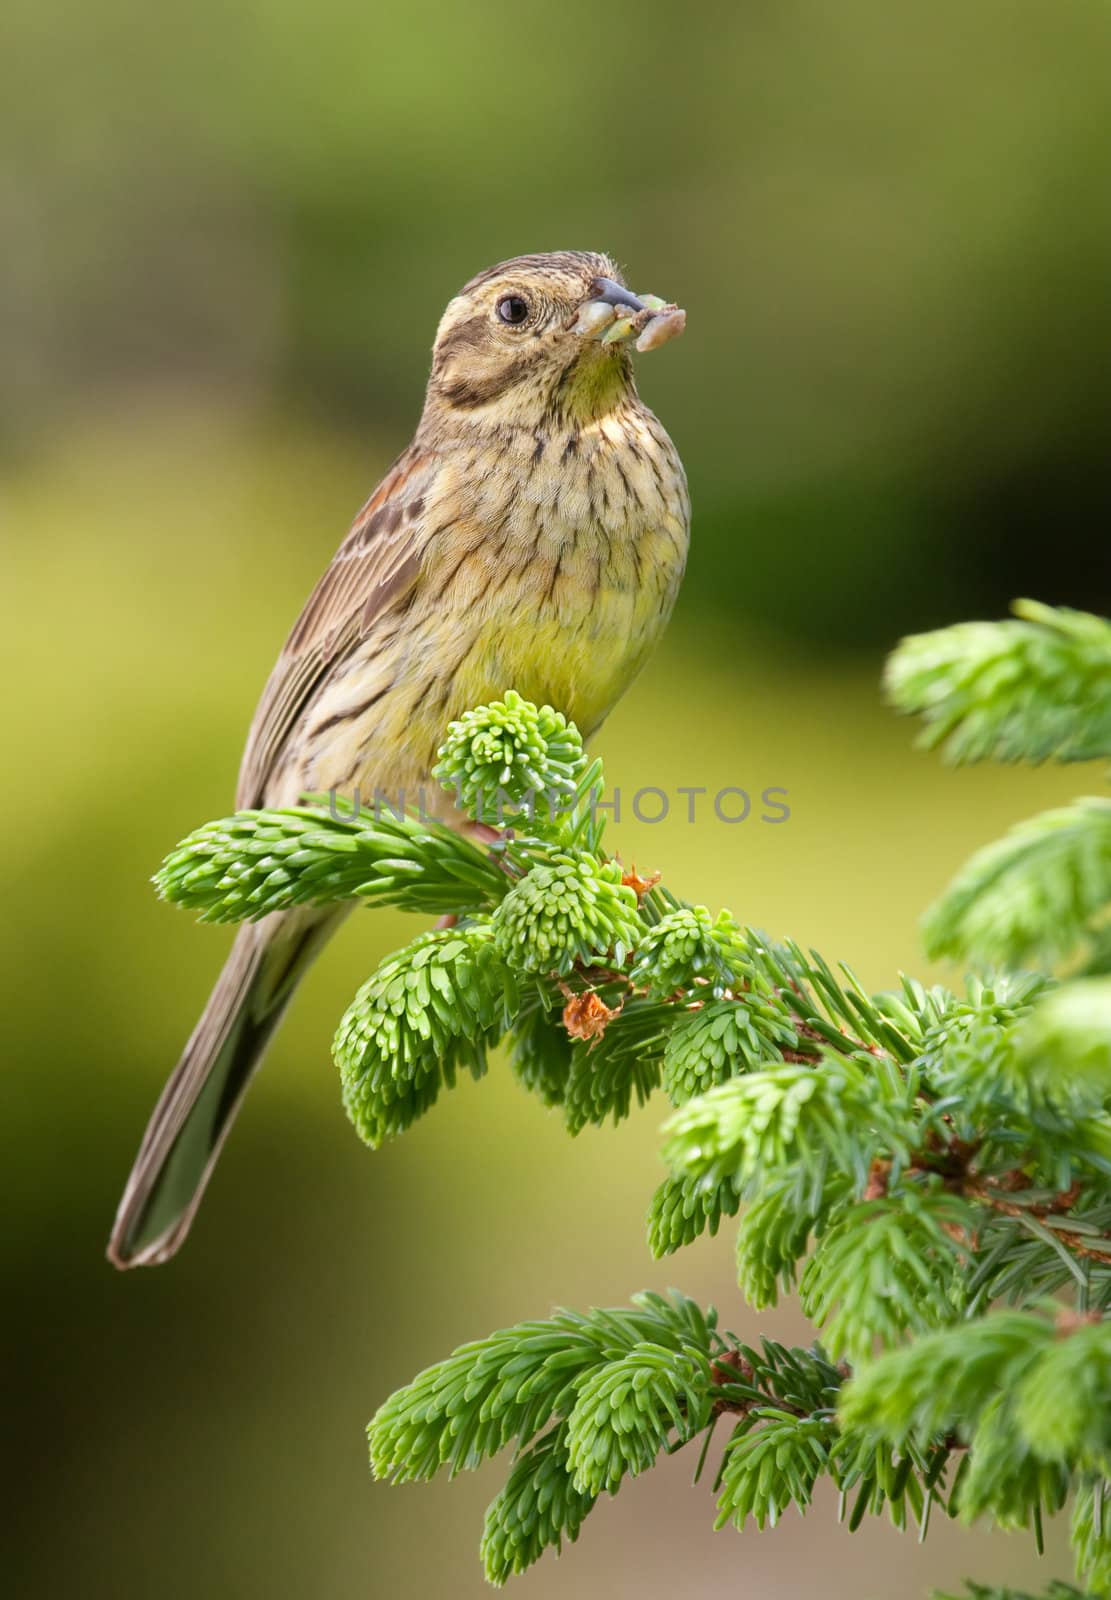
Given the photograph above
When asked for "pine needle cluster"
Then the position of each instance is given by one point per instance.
(928, 1168)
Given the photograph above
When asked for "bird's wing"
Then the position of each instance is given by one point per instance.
(374, 568)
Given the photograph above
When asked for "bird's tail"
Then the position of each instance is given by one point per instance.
(195, 1111)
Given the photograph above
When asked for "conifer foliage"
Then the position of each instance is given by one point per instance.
(928, 1169)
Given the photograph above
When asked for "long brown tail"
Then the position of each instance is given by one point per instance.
(196, 1108)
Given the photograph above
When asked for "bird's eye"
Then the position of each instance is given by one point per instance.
(514, 309)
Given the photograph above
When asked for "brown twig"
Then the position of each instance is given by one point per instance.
(732, 1367)
(994, 1194)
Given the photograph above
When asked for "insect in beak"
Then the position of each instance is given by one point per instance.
(614, 315)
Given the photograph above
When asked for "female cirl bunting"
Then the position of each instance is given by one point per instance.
(532, 537)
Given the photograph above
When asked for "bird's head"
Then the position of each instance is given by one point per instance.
(543, 336)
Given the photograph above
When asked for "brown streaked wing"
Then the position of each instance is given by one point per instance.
(374, 567)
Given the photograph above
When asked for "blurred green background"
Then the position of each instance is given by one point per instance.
(227, 231)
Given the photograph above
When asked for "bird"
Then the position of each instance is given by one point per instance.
(532, 536)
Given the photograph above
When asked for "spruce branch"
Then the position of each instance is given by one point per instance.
(506, 1387)
(1061, 1403)
(981, 1591)
(962, 1383)
(1071, 1024)
(512, 762)
(1033, 688)
(775, 1231)
(928, 1168)
(624, 1062)
(610, 1386)
(1091, 1531)
(429, 1009)
(888, 1267)
(843, 1116)
(538, 1508)
(1097, 959)
(683, 1208)
(540, 1053)
(1038, 892)
(685, 948)
(257, 862)
(712, 1041)
(571, 909)
(772, 1461)
(626, 1412)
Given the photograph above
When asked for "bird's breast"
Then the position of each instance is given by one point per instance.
(552, 568)
(575, 543)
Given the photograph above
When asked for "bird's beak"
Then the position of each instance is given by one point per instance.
(613, 315)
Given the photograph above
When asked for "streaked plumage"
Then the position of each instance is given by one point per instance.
(532, 536)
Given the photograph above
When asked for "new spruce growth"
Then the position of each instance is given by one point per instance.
(929, 1169)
